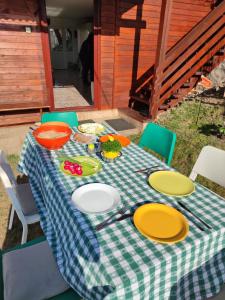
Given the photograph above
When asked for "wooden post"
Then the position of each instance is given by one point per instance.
(164, 25)
(46, 53)
(97, 54)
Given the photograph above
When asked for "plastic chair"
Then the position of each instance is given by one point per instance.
(20, 196)
(211, 165)
(69, 294)
(160, 140)
(68, 117)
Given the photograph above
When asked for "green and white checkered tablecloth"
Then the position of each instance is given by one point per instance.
(118, 262)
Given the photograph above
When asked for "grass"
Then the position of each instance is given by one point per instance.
(191, 137)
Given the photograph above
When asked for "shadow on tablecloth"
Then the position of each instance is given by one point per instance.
(202, 283)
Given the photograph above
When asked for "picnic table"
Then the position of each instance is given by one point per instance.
(118, 262)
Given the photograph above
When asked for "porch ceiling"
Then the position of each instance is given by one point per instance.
(70, 8)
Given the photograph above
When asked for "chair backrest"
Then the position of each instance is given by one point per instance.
(1, 278)
(7, 168)
(211, 165)
(69, 117)
(9, 183)
(160, 140)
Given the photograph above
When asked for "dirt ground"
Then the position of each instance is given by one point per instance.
(12, 138)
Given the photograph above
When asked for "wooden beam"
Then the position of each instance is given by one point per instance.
(97, 54)
(164, 26)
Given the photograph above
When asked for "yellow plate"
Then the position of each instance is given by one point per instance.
(161, 223)
(171, 183)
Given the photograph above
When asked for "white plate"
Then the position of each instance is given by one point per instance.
(91, 128)
(95, 198)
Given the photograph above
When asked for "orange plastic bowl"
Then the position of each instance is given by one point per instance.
(52, 143)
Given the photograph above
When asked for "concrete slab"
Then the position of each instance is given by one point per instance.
(12, 138)
(86, 121)
(97, 114)
(68, 97)
(120, 124)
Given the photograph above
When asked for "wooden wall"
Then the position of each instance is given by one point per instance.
(185, 15)
(129, 40)
(137, 28)
(107, 56)
(22, 73)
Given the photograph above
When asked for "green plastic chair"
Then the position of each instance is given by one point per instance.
(70, 294)
(160, 140)
(69, 117)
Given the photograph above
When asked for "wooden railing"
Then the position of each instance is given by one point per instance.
(181, 62)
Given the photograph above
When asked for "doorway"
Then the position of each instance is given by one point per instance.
(72, 52)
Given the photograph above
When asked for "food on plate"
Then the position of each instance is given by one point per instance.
(73, 168)
(52, 137)
(124, 141)
(82, 138)
(111, 138)
(111, 148)
(91, 146)
(51, 134)
(91, 128)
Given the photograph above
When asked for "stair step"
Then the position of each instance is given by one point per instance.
(174, 103)
(208, 64)
(185, 85)
(194, 79)
(133, 117)
(208, 68)
(182, 92)
(220, 53)
(164, 107)
(178, 93)
(174, 97)
(198, 74)
(142, 100)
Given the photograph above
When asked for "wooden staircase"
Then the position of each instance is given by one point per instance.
(177, 71)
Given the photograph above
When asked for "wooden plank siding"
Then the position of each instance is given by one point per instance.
(128, 34)
(129, 42)
(107, 56)
(22, 72)
(135, 46)
(192, 12)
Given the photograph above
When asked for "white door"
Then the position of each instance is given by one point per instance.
(63, 47)
(57, 48)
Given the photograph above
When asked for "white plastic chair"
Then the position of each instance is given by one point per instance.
(20, 196)
(211, 165)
